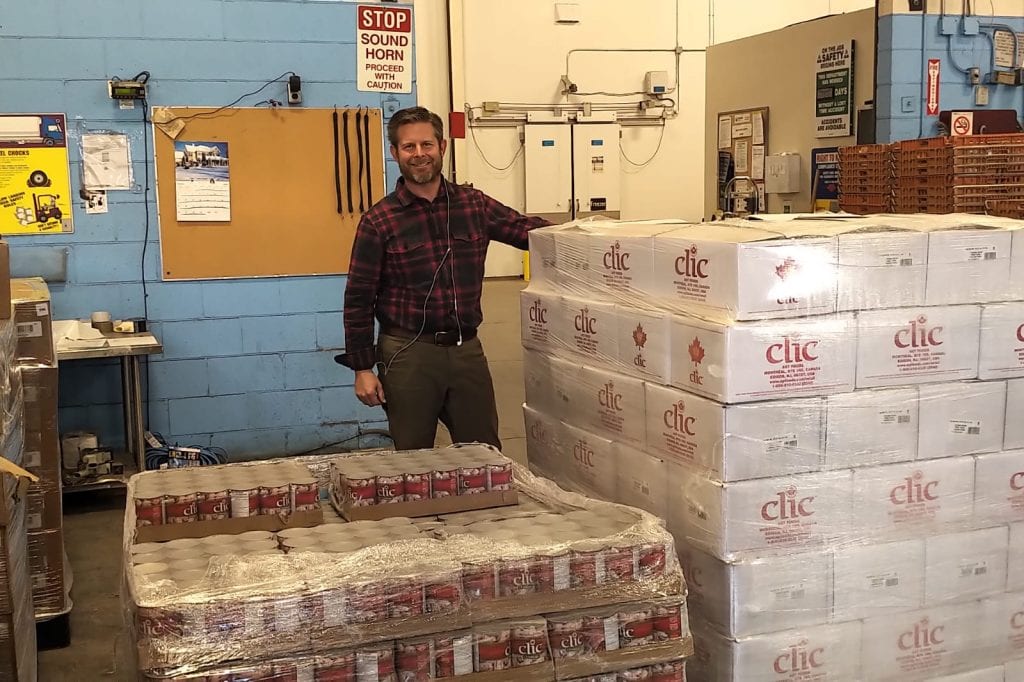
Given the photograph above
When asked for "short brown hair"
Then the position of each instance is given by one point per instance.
(414, 115)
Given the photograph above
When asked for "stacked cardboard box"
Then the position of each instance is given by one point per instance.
(37, 364)
(823, 411)
(17, 623)
(557, 587)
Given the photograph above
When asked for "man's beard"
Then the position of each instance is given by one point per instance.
(421, 175)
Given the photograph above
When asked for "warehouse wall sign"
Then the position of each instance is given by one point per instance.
(384, 49)
(833, 81)
(35, 190)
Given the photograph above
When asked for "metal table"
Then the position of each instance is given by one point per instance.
(131, 398)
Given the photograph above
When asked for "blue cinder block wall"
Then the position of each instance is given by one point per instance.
(248, 364)
(905, 44)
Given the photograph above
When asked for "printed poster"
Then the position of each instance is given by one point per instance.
(833, 82)
(725, 132)
(825, 178)
(202, 181)
(35, 186)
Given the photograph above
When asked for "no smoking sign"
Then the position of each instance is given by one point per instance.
(962, 122)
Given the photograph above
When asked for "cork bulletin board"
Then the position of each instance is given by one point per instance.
(744, 135)
(282, 212)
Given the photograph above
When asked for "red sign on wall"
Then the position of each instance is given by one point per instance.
(932, 105)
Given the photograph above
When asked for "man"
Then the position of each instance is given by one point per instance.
(417, 267)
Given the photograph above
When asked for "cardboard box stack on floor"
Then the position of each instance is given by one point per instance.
(827, 414)
(556, 586)
(37, 364)
(17, 621)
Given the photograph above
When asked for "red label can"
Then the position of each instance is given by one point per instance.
(213, 505)
(417, 487)
(379, 660)
(472, 480)
(492, 650)
(636, 628)
(335, 668)
(668, 621)
(305, 495)
(619, 564)
(413, 661)
(567, 637)
(180, 508)
(444, 483)
(529, 644)
(651, 561)
(405, 598)
(443, 594)
(159, 623)
(674, 671)
(478, 581)
(360, 490)
(275, 499)
(444, 657)
(149, 511)
(499, 476)
(515, 578)
(390, 489)
(594, 633)
(635, 675)
(367, 604)
(584, 565)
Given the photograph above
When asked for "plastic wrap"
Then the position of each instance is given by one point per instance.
(300, 593)
(755, 269)
(844, 480)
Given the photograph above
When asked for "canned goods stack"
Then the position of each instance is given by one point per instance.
(193, 494)
(425, 600)
(431, 481)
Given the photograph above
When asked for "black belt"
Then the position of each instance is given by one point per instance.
(445, 338)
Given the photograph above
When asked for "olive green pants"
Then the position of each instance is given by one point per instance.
(425, 383)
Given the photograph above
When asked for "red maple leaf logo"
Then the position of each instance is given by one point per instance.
(788, 267)
(639, 336)
(696, 351)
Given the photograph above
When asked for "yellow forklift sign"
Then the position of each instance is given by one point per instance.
(35, 187)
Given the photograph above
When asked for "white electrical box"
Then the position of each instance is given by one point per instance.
(656, 82)
(596, 169)
(782, 174)
(549, 171)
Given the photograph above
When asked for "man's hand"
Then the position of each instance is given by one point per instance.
(368, 388)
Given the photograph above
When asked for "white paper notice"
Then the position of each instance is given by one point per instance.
(758, 128)
(762, 206)
(742, 130)
(757, 162)
(95, 201)
(724, 132)
(742, 156)
(106, 161)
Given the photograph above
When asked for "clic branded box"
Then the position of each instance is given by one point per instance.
(729, 520)
(961, 418)
(539, 313)
(1002, 341)
(735, 442)
(589, 462)
(967, 265)
(999, 487)
(642, 481)
(962, 566)
(879, 270)
(749, 272)
(914, 498)
(761, 595)
(550, 383)
(645, 345)
(917, 345)
(875, 579)
(1015, 567)
(744, 362)
(871, 427)
(824, 652)
(921, 644)
(543, 261)
(543, 443)
(621, 258)
(589, 329)
(609, 404)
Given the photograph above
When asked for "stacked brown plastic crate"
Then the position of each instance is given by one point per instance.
(836, 467)
(17, 623)
(865, 177)
(37, 365)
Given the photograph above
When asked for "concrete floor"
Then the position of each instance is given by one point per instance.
(100, 649)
